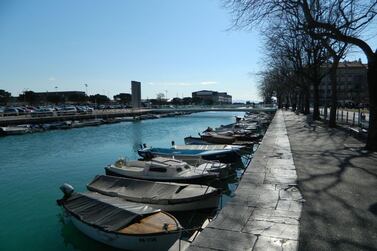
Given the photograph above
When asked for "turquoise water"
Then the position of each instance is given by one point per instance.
(32, 167)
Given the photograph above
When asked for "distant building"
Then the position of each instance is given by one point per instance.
(63, 95)
(136, 94)
(124, 98)
(212, 97)
(352, 86)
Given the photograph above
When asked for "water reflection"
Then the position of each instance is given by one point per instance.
(136, 135)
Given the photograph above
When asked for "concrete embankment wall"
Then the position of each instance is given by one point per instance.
(27, 119)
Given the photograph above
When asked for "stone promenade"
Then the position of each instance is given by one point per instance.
(338, 180)
(266, 209)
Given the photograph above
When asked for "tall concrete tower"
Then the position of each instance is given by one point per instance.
(136, 94)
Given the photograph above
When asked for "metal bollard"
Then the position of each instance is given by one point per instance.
(353, 118)
(341, 119)
(347, 118)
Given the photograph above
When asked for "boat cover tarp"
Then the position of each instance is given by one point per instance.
(186, 152)
(104, 212)
(207, 147)
(149, 191)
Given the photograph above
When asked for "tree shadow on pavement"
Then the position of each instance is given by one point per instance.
(339, 183)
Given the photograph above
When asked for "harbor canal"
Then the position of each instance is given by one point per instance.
(33, 166)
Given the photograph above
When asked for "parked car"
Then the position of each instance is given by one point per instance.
(10, 111)
(68, 110)
(43, 112)
(84, 109)
(21, 111)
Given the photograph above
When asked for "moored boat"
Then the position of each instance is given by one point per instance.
(160, 169)
(222, 155)
(216, 138)
(171, 197)
(199, 141)
(118, 223)
(14, 130)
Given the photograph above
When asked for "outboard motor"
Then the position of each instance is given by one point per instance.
(67, 190)
(209, 129)
(144, 145)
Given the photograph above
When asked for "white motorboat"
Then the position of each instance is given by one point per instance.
(118, 223)
(207, 147)
(160, 169)
(223, 155)
(171, 197)
(84, 123)
(14, 130)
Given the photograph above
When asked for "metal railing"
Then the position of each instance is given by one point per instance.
(357, 118)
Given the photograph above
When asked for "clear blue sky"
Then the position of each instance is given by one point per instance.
(173, 45)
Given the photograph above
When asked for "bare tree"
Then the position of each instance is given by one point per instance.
(341, 20)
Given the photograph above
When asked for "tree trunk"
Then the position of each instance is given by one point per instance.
(334, 92)
(372, 87)
(315, 100)
(307, 102)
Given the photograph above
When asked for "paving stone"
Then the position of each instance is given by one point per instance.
(272, 229)
(225, 240)
(280, 180)
(281, 164)
(194, 248)
(281, 172)
(289, 205)
(290, 194)
(253, 178)
(277, 216)
(264, 205)
(232, 217)
(275, 244)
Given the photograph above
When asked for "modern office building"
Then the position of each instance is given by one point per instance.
(212, 97)
(136, 94)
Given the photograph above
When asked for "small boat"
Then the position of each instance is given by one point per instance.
(123, 119)
(171, 197)
(118, 223)
(212, 167)
(207, 147)
(216, 138)
(84, 123)
(57, 125)
(14, 130)
(199, 141)
(223, 155)
(195, 141)
(149, 116)
(160, 169)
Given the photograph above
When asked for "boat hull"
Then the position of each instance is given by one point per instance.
(222, 156)
(218, 139)
(195, 180)
(162, 241)
(205, 203)
(195, 141)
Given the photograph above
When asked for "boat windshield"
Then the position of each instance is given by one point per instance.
(158, 169)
